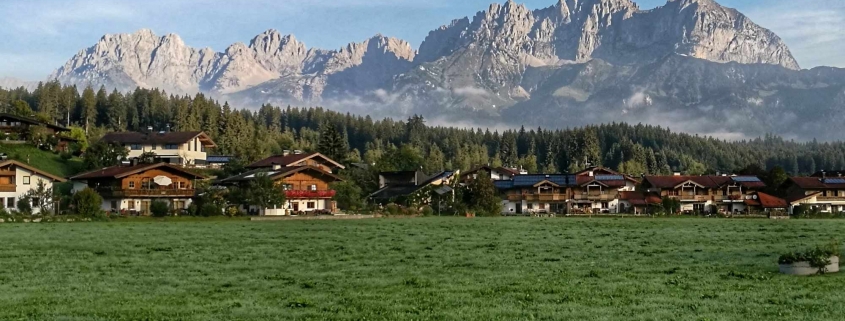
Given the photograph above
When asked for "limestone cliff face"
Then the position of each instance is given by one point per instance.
(142, 59)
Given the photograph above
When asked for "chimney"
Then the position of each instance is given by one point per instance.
(676, 173)
(285, 152)
(149, 129)
(277, 167)
(591, 173)
(297, 152)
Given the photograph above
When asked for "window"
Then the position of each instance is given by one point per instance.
(171, 146)
(310, 205)
(313, 188)
(145, 183)
(604, 205)
(10, 202)
(530, 206)
(195, 144)
(114, 205)
(288, 187)
(154, 146)
(202, 148)
(132, 205)
(183, 185)
(132, 185)
(26, 180)
(135, 146)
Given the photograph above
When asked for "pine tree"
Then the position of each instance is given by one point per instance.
(89, 107)
(332, 144)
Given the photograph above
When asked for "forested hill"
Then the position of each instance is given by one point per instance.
(251, 135)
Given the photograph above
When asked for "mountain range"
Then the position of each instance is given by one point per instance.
(691, 65)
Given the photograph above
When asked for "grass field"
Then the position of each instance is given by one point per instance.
(44, 160)
(415, 269)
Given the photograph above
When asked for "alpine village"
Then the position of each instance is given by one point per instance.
(147, 153)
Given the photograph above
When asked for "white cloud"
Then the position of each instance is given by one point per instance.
(470, 91)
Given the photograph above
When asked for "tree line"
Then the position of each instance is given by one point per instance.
(410, 144)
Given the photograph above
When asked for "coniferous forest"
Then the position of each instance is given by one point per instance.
(254, 134)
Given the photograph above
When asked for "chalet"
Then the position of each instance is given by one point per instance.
(598, 190)
(297, 159)
(17, 179)
(413, 188)
(822, 194)
(307, 188)
(538, 193)
(706, 194)
(13, 127)
(133, 188)
(178, 148)
(496, 173)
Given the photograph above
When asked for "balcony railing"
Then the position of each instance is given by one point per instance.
(8, 188)
(695, 198)
(597, 197)
(7, 173)
(537, 197)
(830, 198)
(146, 192)
(293, 194)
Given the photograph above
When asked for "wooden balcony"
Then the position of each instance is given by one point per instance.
(7, 173)
(694, 198)
(550, 197)
(597, 197)
(830, 198)
(297, 194)
(8, 188)
(146, 193)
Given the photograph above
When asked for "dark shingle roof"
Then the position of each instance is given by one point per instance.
(276, 173)
(291, 159)
(123, 171)
(708, 181)
(32, 121)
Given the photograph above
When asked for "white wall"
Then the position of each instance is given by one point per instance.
(188, 156)
(21, 190)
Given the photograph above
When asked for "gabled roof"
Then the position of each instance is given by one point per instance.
(487, 168)
(31, 169)
(290, 160)
(800, 196)
(157, 138)
(706, 181)
(818, 183)
(520, 181)
(32, 121)
(606, 176)
(392, 191)
(769, 201)
(640, 198)
(120, 171)
(277, 174)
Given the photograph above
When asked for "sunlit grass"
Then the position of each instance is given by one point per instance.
(415, 269)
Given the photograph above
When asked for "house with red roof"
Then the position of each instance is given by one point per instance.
(823, 194)
(708, 193)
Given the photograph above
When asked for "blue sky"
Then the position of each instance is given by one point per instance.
(40, 35)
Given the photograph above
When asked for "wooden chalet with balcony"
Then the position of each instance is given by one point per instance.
(132, 188)
(598, 190)
(823, 194)
(306, 179)
(536, 194)
(707, 194)
(297, 159)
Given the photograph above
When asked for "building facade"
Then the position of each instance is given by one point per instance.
(177, 148)
(133, 188)
(598, 190)
(18, 179)
(307, 189)
(822, 194)
(536, 194)
(17, 128)
(709, 194)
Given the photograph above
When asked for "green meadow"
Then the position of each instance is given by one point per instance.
(415, 269)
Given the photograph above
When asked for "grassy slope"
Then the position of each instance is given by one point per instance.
(415, 269)
(44, 160)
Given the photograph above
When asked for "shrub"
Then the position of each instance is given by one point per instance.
(66, 156)
(24, 207)
(818, 257)
(209, 209)
(88, 203)
(159, 209)
(392, 209)
(427, 211)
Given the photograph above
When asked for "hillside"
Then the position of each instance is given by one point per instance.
(44, 160)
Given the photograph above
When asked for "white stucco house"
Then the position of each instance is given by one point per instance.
(18, 179)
